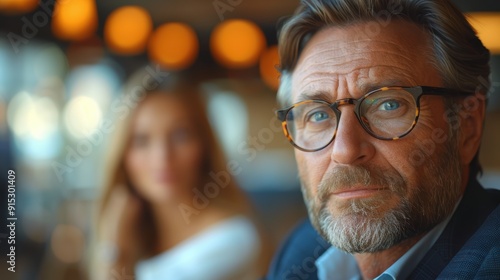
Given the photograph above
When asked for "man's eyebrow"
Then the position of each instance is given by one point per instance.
(367, 87)
(364, 88)
(316, 95)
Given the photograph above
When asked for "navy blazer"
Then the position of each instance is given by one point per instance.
(468, 248)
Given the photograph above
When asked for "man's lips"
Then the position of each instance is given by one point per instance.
(357, 192)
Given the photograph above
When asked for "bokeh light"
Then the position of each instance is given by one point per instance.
(33, 117)
(237, 43)
(18, 6)
(49, 62)
(75, 19)
(99, 82)
(67, 243)
(269, 61)
(127, 30)
(34, 121)
(82, 116)
(231, 131)
(173, 45)
(487, 25)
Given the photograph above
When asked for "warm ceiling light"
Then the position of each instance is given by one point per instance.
(269, 61)
(487, 25)
(237, 43)
(18, 6)
(173, 45)
(127, 30)
(75, 19)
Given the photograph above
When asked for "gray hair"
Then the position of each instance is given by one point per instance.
(458, 54)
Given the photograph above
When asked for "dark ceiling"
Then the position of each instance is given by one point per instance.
(203, 15)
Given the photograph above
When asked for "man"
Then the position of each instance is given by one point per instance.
(384, 101)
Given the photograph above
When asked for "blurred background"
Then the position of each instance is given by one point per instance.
(63, 66)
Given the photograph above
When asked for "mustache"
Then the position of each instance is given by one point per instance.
(348, 177)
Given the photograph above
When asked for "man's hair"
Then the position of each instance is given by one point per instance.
(457, 53)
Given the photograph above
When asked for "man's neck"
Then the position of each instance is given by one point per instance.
(372, 265)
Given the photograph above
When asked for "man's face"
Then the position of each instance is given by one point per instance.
(365, 194)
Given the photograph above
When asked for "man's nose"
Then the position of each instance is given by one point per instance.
(352, 144)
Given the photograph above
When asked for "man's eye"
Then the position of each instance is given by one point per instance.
(318, 116)
(389, 105)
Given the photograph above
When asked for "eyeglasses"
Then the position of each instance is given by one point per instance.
(388, 113)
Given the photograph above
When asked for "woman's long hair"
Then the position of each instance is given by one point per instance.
(230, 197)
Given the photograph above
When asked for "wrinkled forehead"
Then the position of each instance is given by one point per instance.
(358, 59)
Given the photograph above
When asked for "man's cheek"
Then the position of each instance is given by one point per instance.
(315, 167)
(398, 158)
(303, 168)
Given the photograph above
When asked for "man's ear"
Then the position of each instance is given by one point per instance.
(471, 129)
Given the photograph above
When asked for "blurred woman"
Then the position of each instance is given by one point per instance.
(170, 208)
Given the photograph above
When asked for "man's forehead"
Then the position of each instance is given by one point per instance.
(327, 90)
(356, 36)
(338, 53)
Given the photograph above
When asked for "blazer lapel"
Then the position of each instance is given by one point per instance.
(475, 207)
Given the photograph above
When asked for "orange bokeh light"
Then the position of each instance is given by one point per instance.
(269, 61)
(75, 19)
(237, 43)
(173, 45)
(18, 6)
(487, 25)
(127, 30)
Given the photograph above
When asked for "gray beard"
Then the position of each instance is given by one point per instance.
(362, 234)
(362, 229)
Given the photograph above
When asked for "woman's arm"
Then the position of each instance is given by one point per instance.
(119, 247)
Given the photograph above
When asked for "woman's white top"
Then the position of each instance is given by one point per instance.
(226, 250)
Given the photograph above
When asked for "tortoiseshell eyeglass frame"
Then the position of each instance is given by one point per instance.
(417, 92)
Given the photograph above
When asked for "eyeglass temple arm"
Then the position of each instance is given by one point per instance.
(281, 114)
(443, 91)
